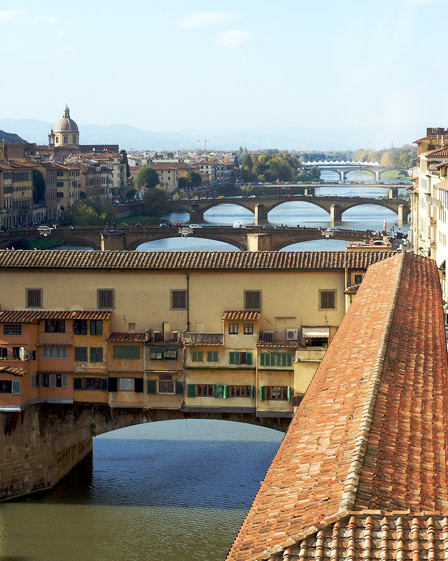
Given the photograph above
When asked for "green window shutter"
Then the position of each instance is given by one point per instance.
(151, 387)
(252, 392)
(262, 393)
(263, 359)
(289, 393)
(81, 354)
(248, 358)
(289, 359)
(179, 388)
(138, 385)
(278, 357)
(77, 383)
(191, 390)
(218, 390)
(232, 358)
(104, 384)
(226, 392)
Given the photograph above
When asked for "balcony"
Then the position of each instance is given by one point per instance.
(56, 339)
(192, 338)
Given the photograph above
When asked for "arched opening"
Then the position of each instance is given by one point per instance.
(168, 490)
(329, 175)
(324, 244)
(371, 217)
(189, 243)
(228, 214)
(294, 213)
(360, 174)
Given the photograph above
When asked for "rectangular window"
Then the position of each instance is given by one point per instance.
(248, 328)
(5, 386)
(13, 329)
(106, 298)
(3, 352)
(80, 354)
(178, 299)
(80, 327)
(197, 356)
(204, 390)
(240, 358)
(92, 384)
(241, 391)
(34, 298)
(96, 327)
(212, 356)
(166, 386)
(126, 352)
(327, 299)
(155, 353)
(54, 326)
(277, 393)
(275, 359)
(96, 354)
(54, 352)
(170, 354)
(61, 380)
(252, 299)
(126, 384)
(358, 279)
(233, 328)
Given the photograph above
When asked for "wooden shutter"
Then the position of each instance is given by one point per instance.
(151, 387)
(191, 390)
(179, 388)
(262, 393)
(104, 384)
(218, 390)
(77, 384)
(248, 358)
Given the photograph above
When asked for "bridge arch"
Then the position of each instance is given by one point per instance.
(365, 171)
(230, 243)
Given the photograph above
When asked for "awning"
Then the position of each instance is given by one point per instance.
(316, 332)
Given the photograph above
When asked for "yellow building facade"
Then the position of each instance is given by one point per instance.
(196, 332)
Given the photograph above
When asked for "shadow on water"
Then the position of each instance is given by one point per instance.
(165, 473)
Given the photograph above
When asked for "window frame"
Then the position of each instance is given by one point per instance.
(233, 329)
(31, 293)
(9, 328)
(96, 327)
(94, 353)
(247, 295)
(321, 297)
(174, 292)
(101, 304)
(248, 329)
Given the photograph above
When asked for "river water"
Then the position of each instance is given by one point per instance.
(175, 490)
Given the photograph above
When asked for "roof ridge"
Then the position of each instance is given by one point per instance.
(356, 464)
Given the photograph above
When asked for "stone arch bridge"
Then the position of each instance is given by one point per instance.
(253, 238)
(343, 169)
(262, 206)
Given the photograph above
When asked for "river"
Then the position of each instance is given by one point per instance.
(175, 490)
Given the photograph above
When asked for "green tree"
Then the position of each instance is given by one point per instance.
(194, 178)
(147, 177)
(85, 213)
(38, 186)
(182, 183)
(155, 202)
(130, 195)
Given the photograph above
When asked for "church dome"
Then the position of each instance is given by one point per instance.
(66, 124)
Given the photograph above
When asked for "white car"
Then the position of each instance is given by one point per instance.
(47, 229)
(239, 225)
(194, 226)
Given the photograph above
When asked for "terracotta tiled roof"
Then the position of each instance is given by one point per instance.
(442, 185)
(162, 260)
(439, 152)
(370, 535)
(244, 314)
(126, 337)
(278, 344)
(370, 432)
(12, 370)
(31, 316)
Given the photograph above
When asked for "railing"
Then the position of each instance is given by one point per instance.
(203, 338)
(56, 338)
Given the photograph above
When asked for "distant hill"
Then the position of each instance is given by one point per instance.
(10, 137)
(292, 138)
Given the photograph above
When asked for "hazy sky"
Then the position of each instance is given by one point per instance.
(259, 65)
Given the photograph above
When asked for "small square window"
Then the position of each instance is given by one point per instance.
(233, 328)
(34, 298)
(252, 299)
(358, 279)
(106, 298)
(178, 299)
(327, 299)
